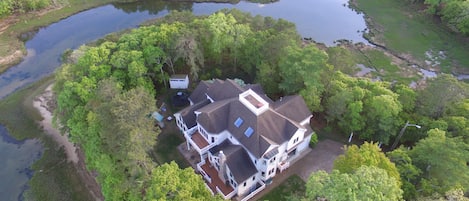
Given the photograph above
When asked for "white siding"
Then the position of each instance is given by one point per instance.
(305, 143)
(179, 83)
(250, 184)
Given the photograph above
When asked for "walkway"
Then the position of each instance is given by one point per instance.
(320, 158)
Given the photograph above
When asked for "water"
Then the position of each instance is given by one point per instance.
(15, 159)
(322, 20)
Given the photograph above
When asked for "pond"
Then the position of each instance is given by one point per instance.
(322, 20)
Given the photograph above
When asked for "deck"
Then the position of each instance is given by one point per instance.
(216, 181)
(199, 140)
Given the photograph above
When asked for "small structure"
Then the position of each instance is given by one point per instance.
(159, 118)
(179, 81)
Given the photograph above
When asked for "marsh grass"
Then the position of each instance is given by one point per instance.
(406, 29)
(54, 178)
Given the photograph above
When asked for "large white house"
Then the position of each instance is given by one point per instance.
(243, 137)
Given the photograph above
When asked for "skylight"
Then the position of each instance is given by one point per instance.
(238, 122)
(249, 131)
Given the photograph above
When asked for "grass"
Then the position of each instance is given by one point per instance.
(166, 150)
(54, 178)
(28, 23)
(405, 29)
(293, 186)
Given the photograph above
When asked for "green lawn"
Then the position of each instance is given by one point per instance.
(294, 185)
(407, 30)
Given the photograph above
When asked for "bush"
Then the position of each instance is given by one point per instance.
(314, 140)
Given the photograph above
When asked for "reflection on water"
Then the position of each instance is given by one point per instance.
(322, 20)
(16, 158)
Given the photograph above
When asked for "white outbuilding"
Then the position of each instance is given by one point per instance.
(179, 81)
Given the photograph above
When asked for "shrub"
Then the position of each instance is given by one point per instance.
(314, 140)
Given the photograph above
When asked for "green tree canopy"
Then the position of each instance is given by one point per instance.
(368, 154)
(169, 182)
(443, 161)
(365, 183)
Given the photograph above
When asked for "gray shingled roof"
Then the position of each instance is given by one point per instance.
(292, 107)
(237, 160)
(199, 92)
(273, 127)
(269, 127)
(188, 114)
(227, 89)
(213, 116)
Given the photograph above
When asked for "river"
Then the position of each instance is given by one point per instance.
(322, 20)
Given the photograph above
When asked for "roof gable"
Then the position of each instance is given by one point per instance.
(292, 107)
(237, 159)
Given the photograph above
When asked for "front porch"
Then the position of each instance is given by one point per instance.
(214, 182)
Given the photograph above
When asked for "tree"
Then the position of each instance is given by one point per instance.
(383, 118)
(365, 183)
(409, 173)
(440, 93)
(169, 182)
(301, 70)
(368, 154)
(455, 15)
(443, 161)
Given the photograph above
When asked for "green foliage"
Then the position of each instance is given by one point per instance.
(443, 161)
(368, 154)
(362, 106)
(301, 70)
(441, 92)
(6, 7)
(407, 170)
(9, 6)
(364, 183)
(105, 93)
(169, 182)
(314, 140)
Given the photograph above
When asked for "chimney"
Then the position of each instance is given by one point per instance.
(222, 161)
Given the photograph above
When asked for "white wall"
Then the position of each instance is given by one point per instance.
(178, 83)
(250, 182)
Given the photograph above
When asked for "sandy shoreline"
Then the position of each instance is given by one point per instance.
(41, 104)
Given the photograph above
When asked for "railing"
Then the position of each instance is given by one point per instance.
(252, 194)
(206, 176)
(226, 197)
(283, 166)
(206, 186)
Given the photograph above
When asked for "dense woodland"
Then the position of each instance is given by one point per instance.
(105, 92)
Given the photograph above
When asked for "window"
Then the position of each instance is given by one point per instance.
(254, 178)
(244, 184)
(263, 173)
(255, 162)
(238, 122)
(249, 131)
(213, 139)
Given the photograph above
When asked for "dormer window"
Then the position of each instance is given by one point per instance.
(238, 122)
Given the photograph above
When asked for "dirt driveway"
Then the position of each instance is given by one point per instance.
(320, 158)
